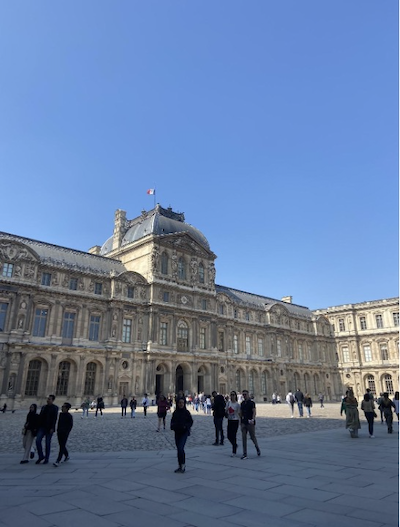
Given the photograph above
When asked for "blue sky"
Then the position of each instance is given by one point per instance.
(273, 125)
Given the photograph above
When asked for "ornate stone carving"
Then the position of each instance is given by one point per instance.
(10, 251)
(155, 256)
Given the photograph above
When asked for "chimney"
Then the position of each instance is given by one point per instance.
(119, 228)
(287, 299)
(95, 250)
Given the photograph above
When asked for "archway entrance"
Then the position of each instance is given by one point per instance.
(179, 379)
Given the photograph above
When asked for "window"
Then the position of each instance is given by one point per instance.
(388, 383)
(371, 383)
(164, 263)
(235, 344)
(130, 291)
(183, 337)
(367, 353)
(201, 273)
(238, 381)
(90, 378)
(260, 346)
(46, 279)
(309, 352)
(396, 319)
(248, 344)
(166, 296)
(264, 382)
(126, 330)
(379, 321)
(68, 326)
(346, 354)
(221, 309)
(342, 327)
(73, 284)
(63, 378)
(181, 269)
(98, 288)
(221, 343)
(3, 316)
(39, 323)
(32, 378)
(279, 347)
(94, 327)
(363, 323)
(247, 316)
(204, 304)
(8, 269)
(251, 382)
(235, 313)
(163, 333)
(203, 338)
(300, 351)
(384, 351)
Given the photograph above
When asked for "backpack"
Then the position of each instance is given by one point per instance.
(291, 399)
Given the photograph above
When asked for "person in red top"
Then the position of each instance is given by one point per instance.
(162, 409)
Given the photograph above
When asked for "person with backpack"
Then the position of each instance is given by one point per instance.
(290, 401)
(386, 406)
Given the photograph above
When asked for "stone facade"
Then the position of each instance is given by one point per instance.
(142, 313)
(367, 344)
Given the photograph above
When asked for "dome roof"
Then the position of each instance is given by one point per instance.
(158, 222)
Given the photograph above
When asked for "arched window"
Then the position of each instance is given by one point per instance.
(90, 378)
(389, 384)
(183, 337)
(32, 378)
(164, 263)
(63, 378)
(181, 269)
(201, 273)
(371, 383)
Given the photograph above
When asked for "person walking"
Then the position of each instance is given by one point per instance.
(124, 405)
(321, 400)
(352, 417)
(181, 423)
(290, 401)
(248, 422)
(368, 407)
(378, 401)
(145, 404)
(85, 408)
(299, 396)
(308, 404)
(162, 409)
(99, 406)
(29, 432)
(64, 427)
(218, 407)
(387, 405)
(232, 410)
(47, 425)
(133, 404)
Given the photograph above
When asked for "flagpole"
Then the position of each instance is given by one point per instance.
(154, 197)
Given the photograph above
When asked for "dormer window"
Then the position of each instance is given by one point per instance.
(201, 273)
(181, 269)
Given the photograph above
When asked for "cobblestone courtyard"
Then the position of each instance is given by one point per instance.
(113, 434)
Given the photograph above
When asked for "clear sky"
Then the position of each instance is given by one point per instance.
(272, 124)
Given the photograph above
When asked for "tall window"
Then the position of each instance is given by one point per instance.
(90, 378)
(309, 352)
(164, 263)
(181, 269)
(379, 321)
(248, 344)
(203, 338)
(166, 296)
(94, 327)
(98, 288)
(221, 341)
(8, 269)
(300, 350)
(396, 319)
(163, 333)
(247, 315)
(73, 284)
(238, 380)
(32, 378)
(201, 273)
(63, 378)
(221, 309)
(68, 326)
(130, 292)
(39, 323)
(367, 353)
(126, 330)
(279, 347)
(204, 304)
(251, 382)
(260, 345)
(264, 382)
(363, 323)
(346, 354)
(384, 351)
(46, 279)
(388, 383)
(3, 316)
(183, 337)
(235, 344)
(371, 383)
(342, 327)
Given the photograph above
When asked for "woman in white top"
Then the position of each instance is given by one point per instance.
(232, 411)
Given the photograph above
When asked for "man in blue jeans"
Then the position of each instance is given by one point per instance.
(47, 424)
(299, 396)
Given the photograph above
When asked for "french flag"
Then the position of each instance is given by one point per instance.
(151, 191)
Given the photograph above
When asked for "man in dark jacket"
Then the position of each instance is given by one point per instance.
(47, 424)
(64, 427)
(124, 404)
(299, 396)
(218, 407)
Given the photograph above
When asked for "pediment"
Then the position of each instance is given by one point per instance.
(184, 242)
(12, 251)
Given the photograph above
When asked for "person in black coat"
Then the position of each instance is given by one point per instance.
(64, 427)
(218, 407)
(29, 432)
(181, 424)
(47, 425)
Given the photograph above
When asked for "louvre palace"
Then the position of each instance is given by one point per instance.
(142, 313)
